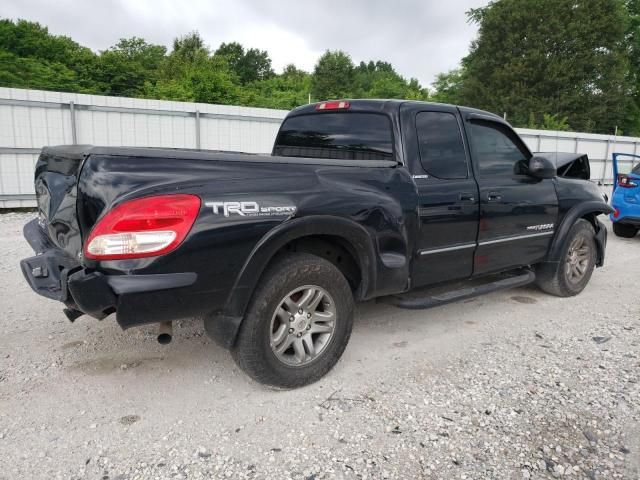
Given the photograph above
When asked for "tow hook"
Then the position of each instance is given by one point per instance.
(165, 333)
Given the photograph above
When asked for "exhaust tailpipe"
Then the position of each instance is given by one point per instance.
(165, 333)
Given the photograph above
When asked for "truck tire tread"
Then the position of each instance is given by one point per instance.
(551, 277)
(252, 351)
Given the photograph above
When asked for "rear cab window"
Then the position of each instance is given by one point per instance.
(441, 146)
(336, 135)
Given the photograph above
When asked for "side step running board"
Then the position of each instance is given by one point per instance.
(419, 303)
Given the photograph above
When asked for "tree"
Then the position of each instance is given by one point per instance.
(563, 57)
(333, 76)
(18, 72)
(285, 91)
(380, 80)
(447, 86)
(549, 122)
(188, 47)
(631, 122)
(250, 65)
(124, 69)
(30, 57)
(189, 73)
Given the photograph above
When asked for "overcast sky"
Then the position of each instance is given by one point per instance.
(421, 38)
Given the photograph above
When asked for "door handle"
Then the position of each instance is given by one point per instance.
(466, 197)
(494, 197)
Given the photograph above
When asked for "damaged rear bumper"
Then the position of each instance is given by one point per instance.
(136, 299)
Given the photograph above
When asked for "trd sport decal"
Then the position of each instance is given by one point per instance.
(248, 209)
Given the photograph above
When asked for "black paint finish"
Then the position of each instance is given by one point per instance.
(391, 223)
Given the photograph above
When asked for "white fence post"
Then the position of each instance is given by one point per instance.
(72, 116)
(197, 129)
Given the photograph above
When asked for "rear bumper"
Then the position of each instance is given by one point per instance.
(136, 299)
(628, 220)
(628, 212)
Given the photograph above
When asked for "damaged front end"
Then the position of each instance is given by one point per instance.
(569, 165)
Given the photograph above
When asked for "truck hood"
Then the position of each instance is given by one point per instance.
(569, 165)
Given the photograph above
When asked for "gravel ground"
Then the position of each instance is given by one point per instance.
(512, 385)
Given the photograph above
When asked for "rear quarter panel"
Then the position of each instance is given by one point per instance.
(221, 247)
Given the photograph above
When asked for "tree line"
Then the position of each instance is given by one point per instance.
(31, 57)
(553, 64)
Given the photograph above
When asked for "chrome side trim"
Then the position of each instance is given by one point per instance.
(447, 249)
(515, 237)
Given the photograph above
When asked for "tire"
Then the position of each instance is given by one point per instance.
(261, 348)
(570, 275)
(624, 230)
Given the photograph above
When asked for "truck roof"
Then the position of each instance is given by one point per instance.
(387, 106)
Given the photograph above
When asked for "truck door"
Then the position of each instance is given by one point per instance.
(518, 213)
(437, 155)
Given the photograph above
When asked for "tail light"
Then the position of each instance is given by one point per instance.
(146, 227)
(625, 181)
(336, 105)
(616, 213)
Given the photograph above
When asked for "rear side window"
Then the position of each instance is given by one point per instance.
(636, 169)
(441, 149)
(340, 135)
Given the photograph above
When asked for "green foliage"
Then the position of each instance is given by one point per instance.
(124, 69)
(447, 86)
(190, 73)
(549, 122)
(285, 91)
(35, 73)
(558, 56)
(631, 122)
(380, 80)
(250, 65)
(578, 59)
(30, 57)
(333, 76)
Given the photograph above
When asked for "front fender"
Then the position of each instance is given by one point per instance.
(578, 211)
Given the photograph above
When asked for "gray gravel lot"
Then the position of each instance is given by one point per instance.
(512, 385)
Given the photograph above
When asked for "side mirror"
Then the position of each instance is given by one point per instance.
(542, 167)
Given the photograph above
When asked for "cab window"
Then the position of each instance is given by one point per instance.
(339, 135)
(497, 149)
(441, 147)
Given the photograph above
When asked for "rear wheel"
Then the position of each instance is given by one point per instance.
(298, 323)
(624, 230)
(571, 274)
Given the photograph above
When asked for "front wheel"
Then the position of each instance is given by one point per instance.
(624, 230)
(297, 324)
(570, 275)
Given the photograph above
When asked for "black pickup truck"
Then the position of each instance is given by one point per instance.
(359, 199)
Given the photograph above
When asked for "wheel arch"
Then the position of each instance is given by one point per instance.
(588, 211)
(308, 234)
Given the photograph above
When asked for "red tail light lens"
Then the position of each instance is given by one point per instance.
(145, 227)
(625, 181)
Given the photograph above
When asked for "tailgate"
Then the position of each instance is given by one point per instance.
(56, 180)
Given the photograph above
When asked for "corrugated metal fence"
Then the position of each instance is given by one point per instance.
(31, 119)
